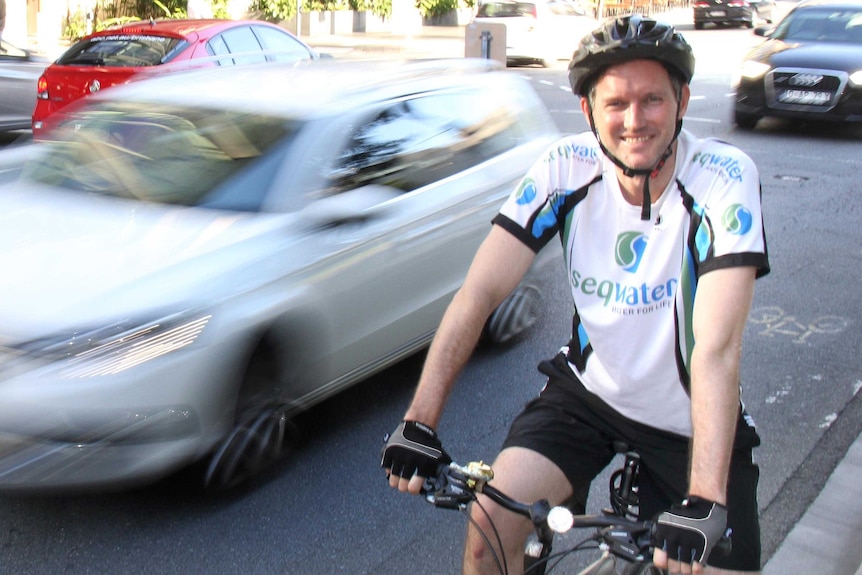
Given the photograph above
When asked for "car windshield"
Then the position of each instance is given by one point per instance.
(164, 153)
(822, 25)
(137, 50)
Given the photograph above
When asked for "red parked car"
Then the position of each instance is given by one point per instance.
(114, 56)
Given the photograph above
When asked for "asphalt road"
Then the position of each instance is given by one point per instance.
(327, 509)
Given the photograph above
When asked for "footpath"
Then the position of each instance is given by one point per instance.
(827, 539)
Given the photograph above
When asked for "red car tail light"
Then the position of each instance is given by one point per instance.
(701, 4)
(42, 88)
(738, 3)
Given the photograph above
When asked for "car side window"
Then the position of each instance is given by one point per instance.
(243, 45)
(280, 46)
(416, 141)
(217, 47)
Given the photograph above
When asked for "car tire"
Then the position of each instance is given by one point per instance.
(262, 431)
(698, 25)
(516, 314)
(750, 23)
(745, 120)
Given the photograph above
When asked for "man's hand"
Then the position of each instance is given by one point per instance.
(412, 451)
(687, 533)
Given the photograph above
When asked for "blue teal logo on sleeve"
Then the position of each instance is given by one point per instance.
(630, 250)
(526, 193)
(737, 219)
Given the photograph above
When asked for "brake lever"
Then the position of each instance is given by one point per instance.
(447, 490)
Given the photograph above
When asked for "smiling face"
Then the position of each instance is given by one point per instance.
(635, 111)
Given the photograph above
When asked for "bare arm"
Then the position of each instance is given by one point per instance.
(498, 267)
(720, 312)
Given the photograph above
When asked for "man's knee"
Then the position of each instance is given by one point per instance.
(508, 529)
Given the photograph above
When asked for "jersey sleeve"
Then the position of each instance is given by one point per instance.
(731, 232)
(535, 210)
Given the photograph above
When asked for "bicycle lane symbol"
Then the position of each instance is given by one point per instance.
(778, 323)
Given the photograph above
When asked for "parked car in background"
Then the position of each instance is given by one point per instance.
(190, 263)
(808, 68)
(114, 56)
(19, 72)
(538, 31)
(732, 12)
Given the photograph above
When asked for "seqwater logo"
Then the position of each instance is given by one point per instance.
(526, 193)
(727, 165)
(629, 250)
(571, 151)
(737, 219)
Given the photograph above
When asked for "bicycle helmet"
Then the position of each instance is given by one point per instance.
(632, 37)
(620, 40)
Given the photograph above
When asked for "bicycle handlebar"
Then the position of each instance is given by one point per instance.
(455, 486)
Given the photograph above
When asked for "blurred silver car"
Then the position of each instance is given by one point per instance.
(19, 72)
(192, 262)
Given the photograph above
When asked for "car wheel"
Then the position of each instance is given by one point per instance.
(249, 449)
(262, 432)
(750, 23)
(745, 120)
(517, 313)
(698, 25)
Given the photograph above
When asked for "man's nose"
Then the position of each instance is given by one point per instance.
(634, 116)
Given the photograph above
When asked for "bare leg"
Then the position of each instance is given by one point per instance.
(526, 476)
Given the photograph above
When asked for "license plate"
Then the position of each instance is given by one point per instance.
(805, 97)
(718, 13)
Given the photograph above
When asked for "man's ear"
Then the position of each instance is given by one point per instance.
(684, 96)
(585, 108)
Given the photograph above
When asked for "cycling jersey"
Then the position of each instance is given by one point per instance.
(633, 282)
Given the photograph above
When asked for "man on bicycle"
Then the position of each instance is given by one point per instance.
(662, 238)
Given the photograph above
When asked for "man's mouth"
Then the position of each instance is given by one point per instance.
(637, 140)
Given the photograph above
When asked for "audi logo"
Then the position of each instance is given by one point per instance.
(806, 80)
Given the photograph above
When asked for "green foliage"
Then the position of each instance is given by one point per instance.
(274, 10)
(111, 22)
(432, 8)
(220, 9)
(382, 8)
(277, 10)
(74, 26)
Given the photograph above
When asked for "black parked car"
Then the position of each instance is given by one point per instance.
(735, 12)
(809, 67)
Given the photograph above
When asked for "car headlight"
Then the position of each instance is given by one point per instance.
(856, 78)
(751, 70)
(116, 348)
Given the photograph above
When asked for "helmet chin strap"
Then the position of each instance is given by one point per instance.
(629, 172)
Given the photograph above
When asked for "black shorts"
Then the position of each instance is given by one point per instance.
(576, 430)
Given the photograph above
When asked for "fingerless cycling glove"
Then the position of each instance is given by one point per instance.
(413, 449)
(687, 532)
